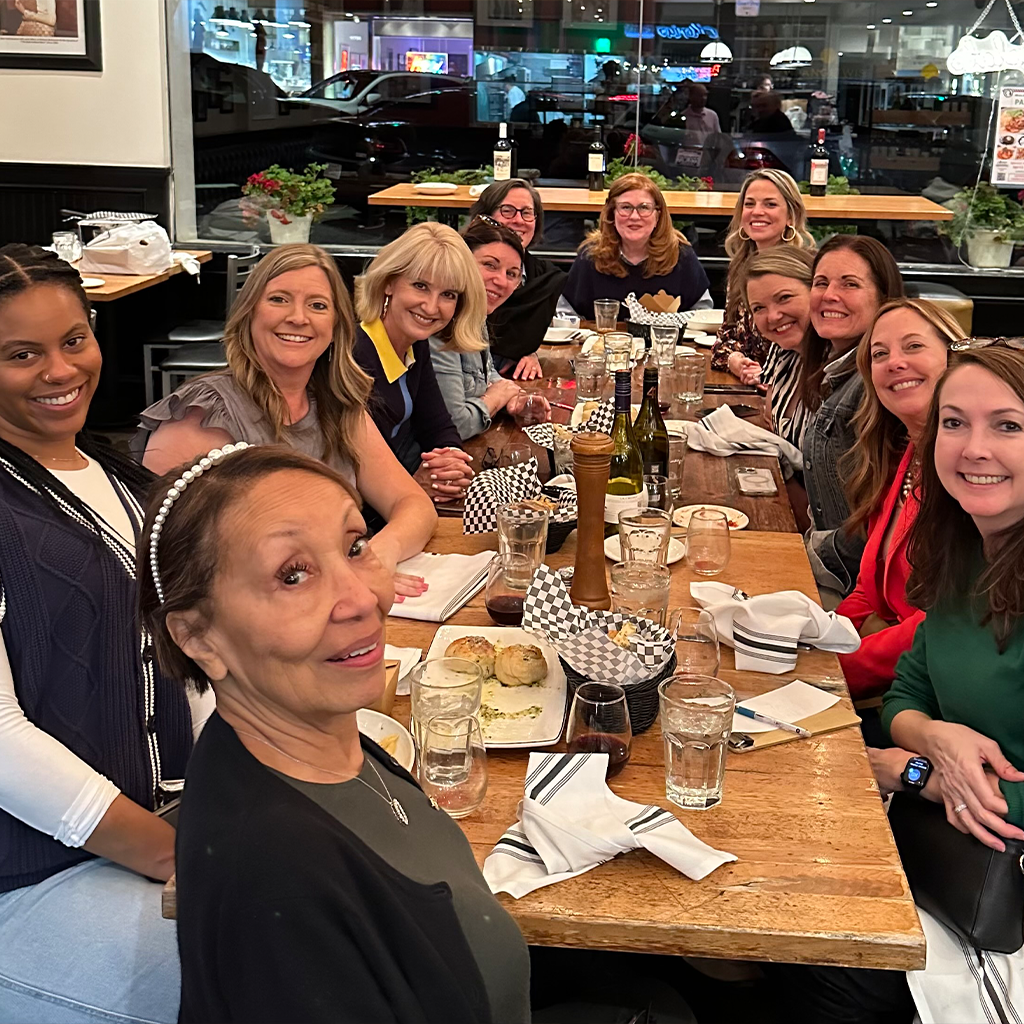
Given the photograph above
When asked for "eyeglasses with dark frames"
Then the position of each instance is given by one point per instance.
(627, 210)
(509, 212)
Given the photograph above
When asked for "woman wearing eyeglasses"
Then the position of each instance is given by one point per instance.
(517, 326)
(635, 249)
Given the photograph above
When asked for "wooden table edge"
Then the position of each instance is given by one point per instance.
(131, 284)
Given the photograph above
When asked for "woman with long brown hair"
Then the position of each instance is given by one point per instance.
(292, 379)
(769, 212)
(636, 249)
(900, 358)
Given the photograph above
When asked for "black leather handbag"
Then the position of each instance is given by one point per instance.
(976, 891)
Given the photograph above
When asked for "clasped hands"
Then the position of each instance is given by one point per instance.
(444, 473)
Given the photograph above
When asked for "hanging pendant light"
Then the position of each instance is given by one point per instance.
(716, 52)
(792, 57)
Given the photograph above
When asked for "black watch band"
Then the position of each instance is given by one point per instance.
(916, 774)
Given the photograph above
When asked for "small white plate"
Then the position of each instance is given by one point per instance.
(613, 549)
(704, 340)
(436, 188)
(93, 282)
(713, 317)
(737, 519)
(546, 728)
(477, 190)
(377, 726)
(565, 335)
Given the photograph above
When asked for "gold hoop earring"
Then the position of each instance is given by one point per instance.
(792, 237)
(387, 306)
(745, 238)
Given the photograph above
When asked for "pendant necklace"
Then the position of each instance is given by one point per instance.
(392, 801)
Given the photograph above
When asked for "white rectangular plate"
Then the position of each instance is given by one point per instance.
(549, 693)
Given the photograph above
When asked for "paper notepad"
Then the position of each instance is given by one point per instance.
(798, 703)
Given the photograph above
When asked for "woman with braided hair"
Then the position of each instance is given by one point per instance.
(90, 729)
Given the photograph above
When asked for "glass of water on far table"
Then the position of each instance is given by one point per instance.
(696, 722)
(606, 314)
(443, 686)
(663, 347)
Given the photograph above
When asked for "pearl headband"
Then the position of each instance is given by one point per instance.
(186, 478)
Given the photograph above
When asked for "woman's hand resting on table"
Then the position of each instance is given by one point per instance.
(444, 473)
(747, 370)
(528, 368)
(499, 394)
(960, 755)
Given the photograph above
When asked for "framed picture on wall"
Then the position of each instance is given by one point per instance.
(53, 35)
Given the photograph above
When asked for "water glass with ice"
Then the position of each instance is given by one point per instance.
(696, 721)
(590, 377)
(641, 589)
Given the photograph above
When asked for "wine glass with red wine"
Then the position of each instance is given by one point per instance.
(599, 724)
(508, 576)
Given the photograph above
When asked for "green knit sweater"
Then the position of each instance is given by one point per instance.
(955, 673)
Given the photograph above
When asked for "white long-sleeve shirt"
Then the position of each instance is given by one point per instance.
(41, 781)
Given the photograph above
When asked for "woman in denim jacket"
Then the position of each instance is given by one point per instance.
(853, 276)
(472, 389)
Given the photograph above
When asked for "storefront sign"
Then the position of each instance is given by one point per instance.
(1008, 150)
(979, 56)
(748, 8)
(694, 30)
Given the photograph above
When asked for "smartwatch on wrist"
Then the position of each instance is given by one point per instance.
(916, 774)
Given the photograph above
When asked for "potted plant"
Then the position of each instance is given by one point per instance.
(838, 185)
(291, 201)
(989, 221)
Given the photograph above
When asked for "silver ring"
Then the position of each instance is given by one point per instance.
(960, 808)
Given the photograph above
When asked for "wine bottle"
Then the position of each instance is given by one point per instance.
(503, 155)
(595, 164)
(625, 491)
(819, 165)
(651, 435)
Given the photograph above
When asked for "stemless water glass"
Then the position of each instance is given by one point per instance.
(641, 589)
(644, 536)
(606, 315)
(618, 347)
(523, 531)
(657, 491)
(663, 346)
(515, 453)
(696, 721)
(506, 593)
(676, 459)
(697, 648)
(590, 376)
(535, 408)
(67, 245)
(707, 541)
(443, 686)
(599, 724)
(689, 373)
(453, 764)
(562, 450)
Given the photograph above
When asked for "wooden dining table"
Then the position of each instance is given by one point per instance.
(817, 879)
(117, 286)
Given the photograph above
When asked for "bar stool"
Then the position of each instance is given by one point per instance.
(194, 334)
(948, 298)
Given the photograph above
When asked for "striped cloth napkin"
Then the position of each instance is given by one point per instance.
(764, 630)
(722, 432)
(570, 821)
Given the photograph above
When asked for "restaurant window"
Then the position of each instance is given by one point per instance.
(382, 92)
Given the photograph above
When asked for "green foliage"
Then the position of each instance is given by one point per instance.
(474, 176)
(837, 186)
(684, 183)
(984, 208)
(278, 188)
(823, 232)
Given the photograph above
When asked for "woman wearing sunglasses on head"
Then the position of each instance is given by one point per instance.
(635, 249)
(518, 325)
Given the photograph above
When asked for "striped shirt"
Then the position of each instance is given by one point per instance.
(782, 373)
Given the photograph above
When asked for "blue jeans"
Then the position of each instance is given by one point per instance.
(88, 945)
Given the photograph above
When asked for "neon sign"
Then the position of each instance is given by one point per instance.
(692, 31)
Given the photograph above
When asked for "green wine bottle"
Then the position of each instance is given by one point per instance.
(625, 492)
(651, 435)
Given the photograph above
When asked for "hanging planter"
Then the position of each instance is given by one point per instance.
(988, 249)
(989, 221)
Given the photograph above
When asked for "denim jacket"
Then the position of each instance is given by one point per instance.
(834, 554)
(463, 377)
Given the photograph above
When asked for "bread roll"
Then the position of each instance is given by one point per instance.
(475, 649)
(520, 665)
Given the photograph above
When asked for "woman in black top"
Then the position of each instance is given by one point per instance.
(518, 325)
(304, 893)
(635, 249)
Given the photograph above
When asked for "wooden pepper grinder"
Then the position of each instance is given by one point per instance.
(591, 457)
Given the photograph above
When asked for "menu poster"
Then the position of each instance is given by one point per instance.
(1008, 150)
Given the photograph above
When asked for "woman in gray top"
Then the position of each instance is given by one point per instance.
(292, 379)
(472, 389)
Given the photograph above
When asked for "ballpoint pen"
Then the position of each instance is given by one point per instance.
(774, 722)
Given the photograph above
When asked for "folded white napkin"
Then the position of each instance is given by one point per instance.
(452, 579)
(408, 658)
(764, 630)
(571, 822)
(723, 433)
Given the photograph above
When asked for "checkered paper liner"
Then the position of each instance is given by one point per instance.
(494, 487)
(581, 636)
(601, 419)
(639, 314)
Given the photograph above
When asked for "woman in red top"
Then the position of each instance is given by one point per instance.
(901, 357)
